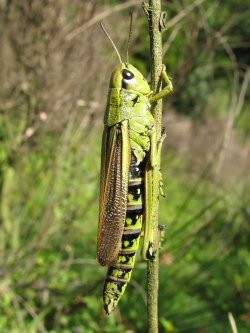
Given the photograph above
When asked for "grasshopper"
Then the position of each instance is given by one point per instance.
(129, 163)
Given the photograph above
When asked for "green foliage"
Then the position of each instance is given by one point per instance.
(208, 46)
(53, 282)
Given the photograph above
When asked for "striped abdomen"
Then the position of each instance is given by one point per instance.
(119, 272)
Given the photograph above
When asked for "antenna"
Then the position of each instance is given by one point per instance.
(130, 34)
(106, 33)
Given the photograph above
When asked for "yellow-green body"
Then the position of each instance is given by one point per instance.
(130, 153)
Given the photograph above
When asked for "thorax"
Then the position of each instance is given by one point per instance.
(128, 105)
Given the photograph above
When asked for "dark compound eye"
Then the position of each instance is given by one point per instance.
(127, 75)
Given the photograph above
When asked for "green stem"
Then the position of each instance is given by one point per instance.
(156, 69)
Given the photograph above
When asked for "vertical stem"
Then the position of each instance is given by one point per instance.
(156, 69)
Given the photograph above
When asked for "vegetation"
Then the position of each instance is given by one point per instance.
(54, 81)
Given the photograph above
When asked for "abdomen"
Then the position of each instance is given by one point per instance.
(119, 272)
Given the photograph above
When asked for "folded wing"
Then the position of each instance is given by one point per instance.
(113, 191)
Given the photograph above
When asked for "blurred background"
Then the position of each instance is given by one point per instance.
(55, 64)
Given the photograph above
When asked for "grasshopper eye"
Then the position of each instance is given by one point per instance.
(127, 75)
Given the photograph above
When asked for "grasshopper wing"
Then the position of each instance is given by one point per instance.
(113, 191)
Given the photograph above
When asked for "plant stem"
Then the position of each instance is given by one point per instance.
(156, 69)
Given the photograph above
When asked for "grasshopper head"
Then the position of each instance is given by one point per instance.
(128, 77)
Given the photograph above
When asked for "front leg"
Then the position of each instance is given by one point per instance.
(164, 92)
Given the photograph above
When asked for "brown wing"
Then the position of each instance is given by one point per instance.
(113, 191)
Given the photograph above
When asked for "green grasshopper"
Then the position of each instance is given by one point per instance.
(129, 167)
